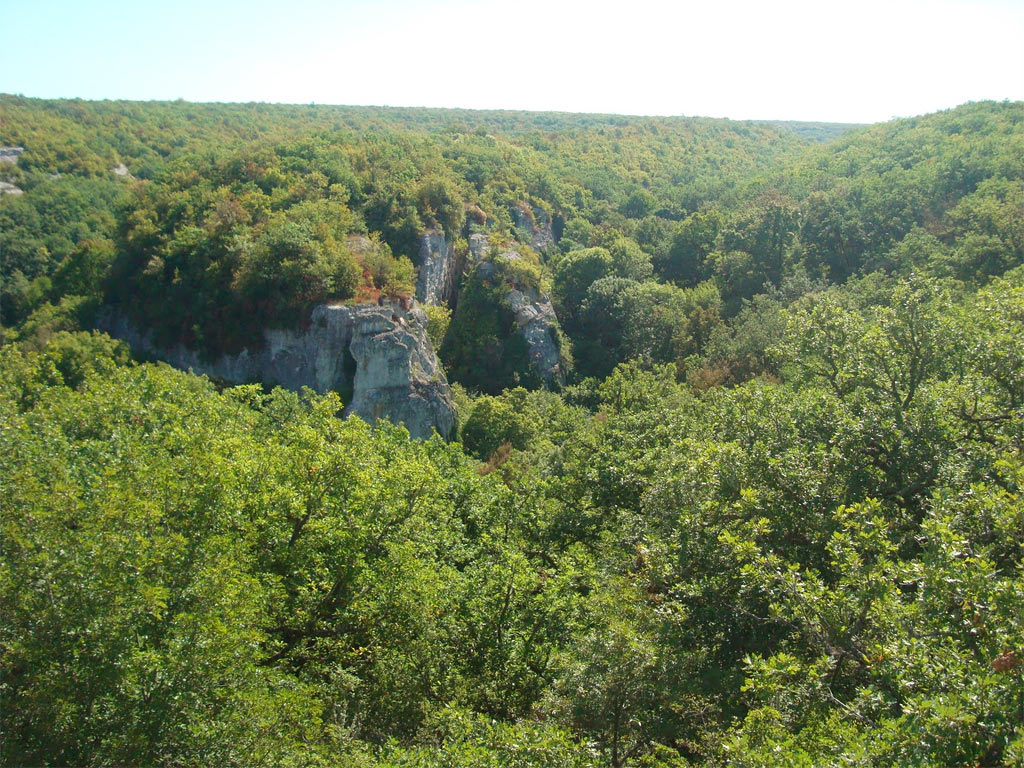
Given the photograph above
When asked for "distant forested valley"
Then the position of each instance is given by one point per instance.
(728, 462)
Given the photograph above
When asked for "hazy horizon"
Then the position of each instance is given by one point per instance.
(452, 108)
(797, 61)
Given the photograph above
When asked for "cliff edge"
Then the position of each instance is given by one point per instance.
(378, 356)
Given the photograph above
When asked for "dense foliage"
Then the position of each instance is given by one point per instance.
(774, 518)
(244, 209)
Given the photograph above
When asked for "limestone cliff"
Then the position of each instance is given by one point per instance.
(438, 269)
(536, 320)
(379, 354)
(479, 248)
(397, 375)
(534, 316)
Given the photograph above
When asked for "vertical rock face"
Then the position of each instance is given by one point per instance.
(479, 248)
(397, 375)
(536, 320)
(534, 226)
(437, 269)
(381, 354)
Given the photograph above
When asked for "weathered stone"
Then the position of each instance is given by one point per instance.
(397, 375)
(360, 245)
(10, 154)
(536, 320)
(479, 247)
(7, 188)
(379, 353)
(436, 282)
(534, 225)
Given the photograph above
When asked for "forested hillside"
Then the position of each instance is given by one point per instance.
(736, 479)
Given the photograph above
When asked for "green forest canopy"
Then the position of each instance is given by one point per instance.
(774, 518)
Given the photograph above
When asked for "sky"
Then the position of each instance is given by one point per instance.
(863, 61)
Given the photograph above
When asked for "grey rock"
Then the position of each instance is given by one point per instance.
(397, 376)
(360, 245)
(536, 320)
(381, 353)
(6, 188)
(479, 247)
(436, 282)
(534, 226)
(10, 154)
(486, 271)
(120, 169)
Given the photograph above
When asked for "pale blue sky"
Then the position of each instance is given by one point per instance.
(793, 59)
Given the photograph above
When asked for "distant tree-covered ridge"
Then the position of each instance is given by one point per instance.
(238, 217)
(198, 173)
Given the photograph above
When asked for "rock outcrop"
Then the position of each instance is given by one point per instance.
(379, 353)
(438, 270)
(479, 247)
(397, 375)
(534, 226)
(10, 154)
(535, 320)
